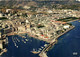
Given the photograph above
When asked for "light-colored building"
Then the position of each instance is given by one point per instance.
(49, 11)
(26, 7)
(7, 10)
(66, 26)
(1, 15)
(1, 45)
(21, 28)
(0, 34)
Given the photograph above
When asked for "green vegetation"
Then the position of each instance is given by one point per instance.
(59, 31)
(3, 18)
(69, 24)
(67, 19)
(24, 15)
(40, 26)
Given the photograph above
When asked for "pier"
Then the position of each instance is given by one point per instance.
(47, 48)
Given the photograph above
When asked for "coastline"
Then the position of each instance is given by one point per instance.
(72, 20)
(66, 31)
(47, 40)
(39, 37)
(50, 41)
(54, 42)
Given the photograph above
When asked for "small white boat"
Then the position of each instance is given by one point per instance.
(45, 45)
(7, 40)
(24, 42)
(75, 53)
(42, 47)
(23, 36)
(17, 46)
(18, 40)
(35, 52)
(26, 39)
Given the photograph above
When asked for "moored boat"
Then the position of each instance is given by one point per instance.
(35, 52)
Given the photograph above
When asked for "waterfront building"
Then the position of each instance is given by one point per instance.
(1, 15)
(7, 10)
(66, 26)
(0, 35)
(21, 28)
(1, 45)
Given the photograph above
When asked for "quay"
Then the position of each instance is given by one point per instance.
(3, 44)
(3, 51)
(47, 48)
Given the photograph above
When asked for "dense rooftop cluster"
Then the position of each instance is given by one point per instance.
(41, 24)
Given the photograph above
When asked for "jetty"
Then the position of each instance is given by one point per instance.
(47, 48)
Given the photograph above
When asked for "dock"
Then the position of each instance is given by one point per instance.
(3, 51)
(47, 48)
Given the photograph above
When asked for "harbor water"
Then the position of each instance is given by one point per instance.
(67, 44)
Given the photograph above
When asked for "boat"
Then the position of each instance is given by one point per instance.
(23, 37)
(42, 47)
(7, 40)
(14, 41)
(26, 39)
(18, 40)
(24, 42)
(75, 53)
(35, 52)
(45, 45)
(17, 46)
